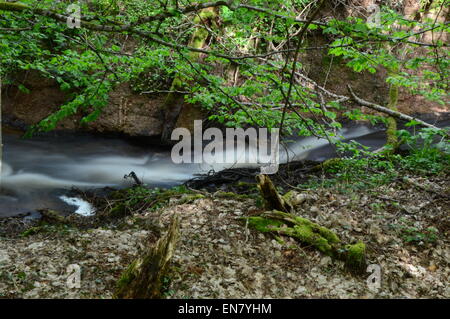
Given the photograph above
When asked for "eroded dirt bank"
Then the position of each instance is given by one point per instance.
(405, 229)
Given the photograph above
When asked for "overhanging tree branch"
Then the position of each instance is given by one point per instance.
(297, 51)
(130, 28)
(388, 111)
(231, 4)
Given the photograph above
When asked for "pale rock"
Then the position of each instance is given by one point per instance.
(322, 280)
(301, 291)
(247, 271)
(276, 244)
(226, 248)
(35, 245)
(4, 258)
(298, 198)
(325, 261)
(314, 210)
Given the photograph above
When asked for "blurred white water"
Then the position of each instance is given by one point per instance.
(295, 149)
(83, 208)
(35, 169)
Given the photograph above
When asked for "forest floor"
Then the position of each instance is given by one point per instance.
(218, 256)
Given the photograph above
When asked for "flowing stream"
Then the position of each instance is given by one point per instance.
(38, 173)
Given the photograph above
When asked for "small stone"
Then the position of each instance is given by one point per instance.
(4, 257)
(298, 199)
(301, 291)
(276, 244)
(322, 280)
(35, 245)
(325, 261)
(247, 271)
(314, 210)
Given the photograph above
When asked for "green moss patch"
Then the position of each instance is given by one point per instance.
(310, 233)
(355, 256)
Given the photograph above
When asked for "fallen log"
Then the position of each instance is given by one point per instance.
(312, 234)
(143, 277)
(279, 220)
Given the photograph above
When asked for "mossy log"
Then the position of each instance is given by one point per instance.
(272, 199)
(327, 164)
(310, 233)
(143, 277)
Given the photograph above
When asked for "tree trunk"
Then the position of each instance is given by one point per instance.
(144, 276)
(272, 199)
(173, 105)
(1, 137)
(391, 129)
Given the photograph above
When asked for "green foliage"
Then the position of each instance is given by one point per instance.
(360, 169)
(140, 198)
(88, 64)
(373, 48)
(418, 236)
(429, 151)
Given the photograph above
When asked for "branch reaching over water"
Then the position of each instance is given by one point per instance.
(388, 111)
